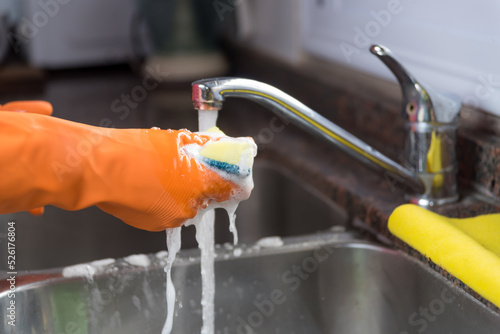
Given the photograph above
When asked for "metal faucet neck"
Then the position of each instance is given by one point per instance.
(430, 166)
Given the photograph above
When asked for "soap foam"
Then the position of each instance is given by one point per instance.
(87, 270)
(100, 264)
(139, 260)
(270, 242)
(80, 270)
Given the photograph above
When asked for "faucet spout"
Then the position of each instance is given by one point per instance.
(209, 94)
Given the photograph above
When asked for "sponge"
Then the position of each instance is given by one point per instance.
(467, 248)
(232, 155)
(434, 158)
(484, 229)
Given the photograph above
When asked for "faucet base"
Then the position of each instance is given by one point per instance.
(428, 202)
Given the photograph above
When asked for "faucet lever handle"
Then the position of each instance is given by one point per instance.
(417, 103)
(432, 123)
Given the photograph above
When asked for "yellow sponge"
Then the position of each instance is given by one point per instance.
(434, 158)
(228, 151)
(484, 229)
(232, 155)
(467, 248)
(215, 129)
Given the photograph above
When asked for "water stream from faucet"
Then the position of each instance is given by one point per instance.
(205, 239)
(204, 223)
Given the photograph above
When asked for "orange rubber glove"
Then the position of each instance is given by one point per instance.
(37, 107)
(140, 176)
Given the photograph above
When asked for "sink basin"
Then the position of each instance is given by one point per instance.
(316, 282)
(330, 282)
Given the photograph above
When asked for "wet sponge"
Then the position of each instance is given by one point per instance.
(232, 155)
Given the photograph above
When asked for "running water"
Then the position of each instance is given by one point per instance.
(207, 119)
(173, 245)
(204, 223)
(205, 239)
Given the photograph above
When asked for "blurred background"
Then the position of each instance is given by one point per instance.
(130, 63)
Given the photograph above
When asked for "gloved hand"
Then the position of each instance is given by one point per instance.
(142, 177)
(37, 107)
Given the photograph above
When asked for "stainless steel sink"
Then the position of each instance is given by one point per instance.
(325, 283)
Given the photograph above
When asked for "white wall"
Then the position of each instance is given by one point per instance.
(11, 8)
(274, 26)
(66, 33)
(453, 46)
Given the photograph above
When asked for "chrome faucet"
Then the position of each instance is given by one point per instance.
(428, 166)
